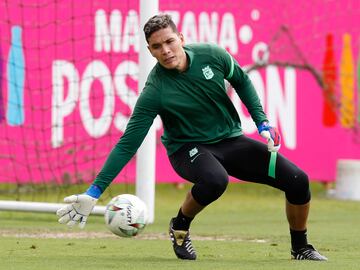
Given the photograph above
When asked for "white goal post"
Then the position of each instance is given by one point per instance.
(146, 155)
(41, 207)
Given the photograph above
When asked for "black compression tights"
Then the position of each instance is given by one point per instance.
(208, 166)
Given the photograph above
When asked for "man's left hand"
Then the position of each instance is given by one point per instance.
(272, 135)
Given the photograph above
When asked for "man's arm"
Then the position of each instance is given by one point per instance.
(136, 130)
(244, 88)
(248, 95)
(81, 205)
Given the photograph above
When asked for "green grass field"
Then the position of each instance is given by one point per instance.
(245, 229)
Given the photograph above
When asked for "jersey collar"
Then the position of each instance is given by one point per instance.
(189, 55)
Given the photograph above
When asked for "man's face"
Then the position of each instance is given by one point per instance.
(167, 47)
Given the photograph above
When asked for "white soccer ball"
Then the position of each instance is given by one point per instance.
(126, 215)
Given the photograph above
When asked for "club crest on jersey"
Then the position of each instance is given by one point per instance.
(208, 73)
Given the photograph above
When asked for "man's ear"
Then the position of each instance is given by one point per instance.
(181, 36)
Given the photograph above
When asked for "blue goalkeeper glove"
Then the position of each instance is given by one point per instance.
(79, 207)
(272, 135)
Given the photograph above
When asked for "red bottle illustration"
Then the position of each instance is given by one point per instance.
(329, 77)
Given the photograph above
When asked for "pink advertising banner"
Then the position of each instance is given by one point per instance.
(69, 72)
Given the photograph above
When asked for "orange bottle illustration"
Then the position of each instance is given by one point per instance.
(347, 83)
(329, 78)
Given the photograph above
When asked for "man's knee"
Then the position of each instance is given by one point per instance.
(298, 190)
(205, 192)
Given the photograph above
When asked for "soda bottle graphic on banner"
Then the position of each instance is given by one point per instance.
(329, 77)
(347, 106)
(16, 79)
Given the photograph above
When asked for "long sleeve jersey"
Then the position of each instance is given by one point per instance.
(193, 106)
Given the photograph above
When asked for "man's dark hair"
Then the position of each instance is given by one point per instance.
(158, 22)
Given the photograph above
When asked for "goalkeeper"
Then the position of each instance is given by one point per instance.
(203, 138)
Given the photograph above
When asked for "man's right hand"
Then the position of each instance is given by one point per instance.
(77, 211)
(79, 207)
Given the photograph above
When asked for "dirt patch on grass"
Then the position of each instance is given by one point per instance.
(95, 235)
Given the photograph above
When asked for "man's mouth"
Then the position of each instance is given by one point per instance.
(169, 60)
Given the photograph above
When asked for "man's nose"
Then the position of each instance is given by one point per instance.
(165, 49)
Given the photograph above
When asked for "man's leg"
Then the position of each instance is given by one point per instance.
(190, 207)
(250, 160)
(300, 248)
(297, 215)
(193, 163)
(180, 225)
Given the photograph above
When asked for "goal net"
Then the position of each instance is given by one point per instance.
(68, 86)
(69, 80)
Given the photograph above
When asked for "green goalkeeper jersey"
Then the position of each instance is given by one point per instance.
(193, 106)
